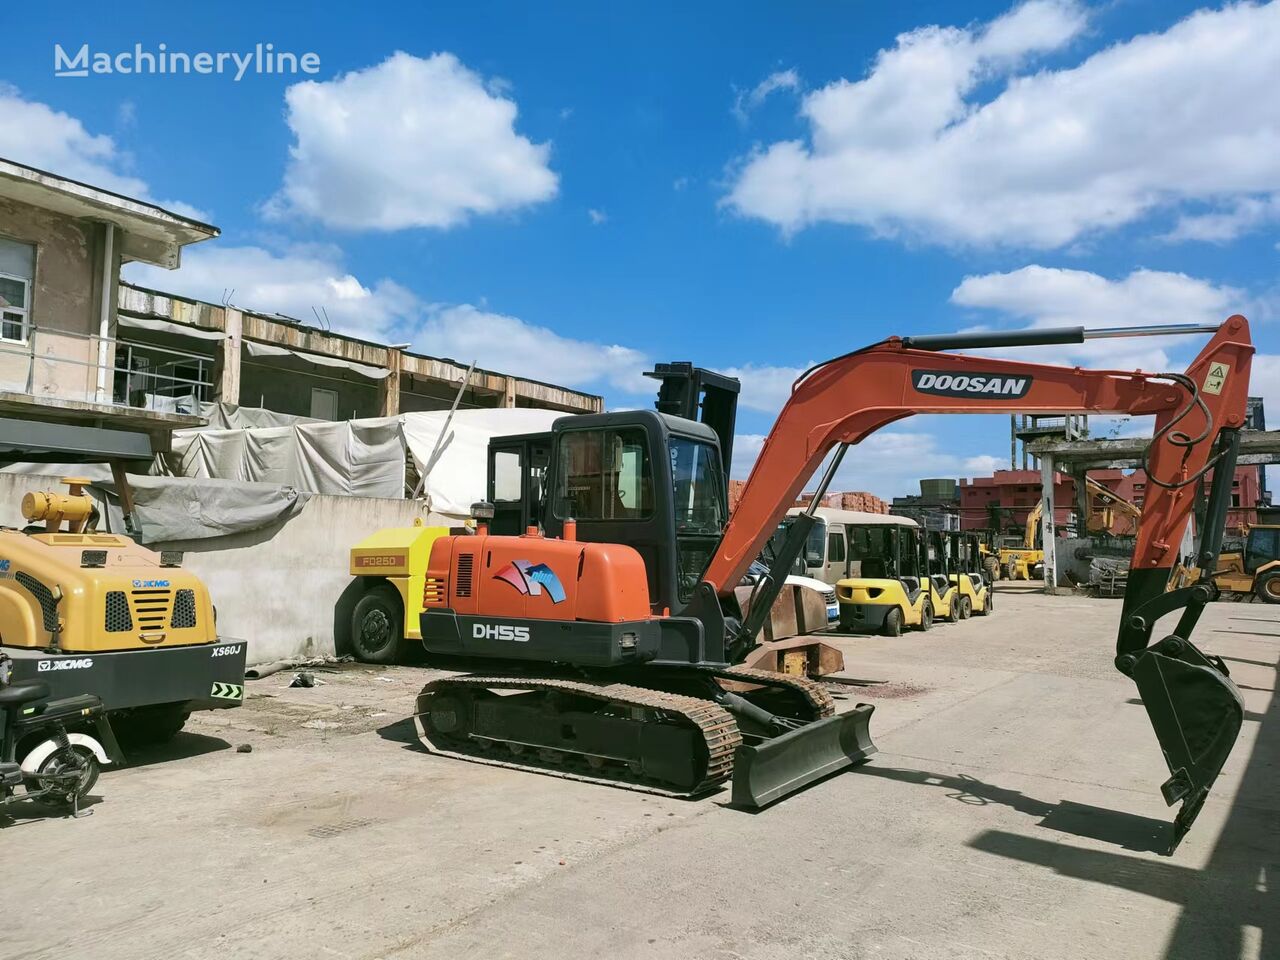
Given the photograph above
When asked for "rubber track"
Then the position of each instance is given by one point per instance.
(719, 730)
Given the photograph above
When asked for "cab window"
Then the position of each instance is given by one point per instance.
(604, 475)
(835, 547)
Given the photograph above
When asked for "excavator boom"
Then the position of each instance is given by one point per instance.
(1194, 708)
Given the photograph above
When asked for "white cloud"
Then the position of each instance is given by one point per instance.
(888, 463)
(291, 283)
(597, 217)
(1039, 296)
(1144, 125)
(37, 135)
(749, 100)
(509, 344)
(1227, 224)
(410, 142)
(764, 388)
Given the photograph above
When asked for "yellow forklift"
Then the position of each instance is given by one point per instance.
(891, 591)
(968, 572)
(944, 592)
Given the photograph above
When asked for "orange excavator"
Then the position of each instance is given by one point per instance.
(610, 628)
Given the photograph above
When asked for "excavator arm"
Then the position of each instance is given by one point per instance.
(1195, 709)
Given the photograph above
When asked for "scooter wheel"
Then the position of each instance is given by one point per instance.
(67, 774)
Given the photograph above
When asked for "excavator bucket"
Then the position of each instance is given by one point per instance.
(769, 770)
(1196, 712)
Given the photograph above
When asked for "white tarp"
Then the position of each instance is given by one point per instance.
(457, 470)
(168, 326)
(363, 458)
(353, 458)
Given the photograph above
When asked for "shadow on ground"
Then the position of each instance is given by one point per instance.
(1231, 908)
(1125, 830)
(181, 747)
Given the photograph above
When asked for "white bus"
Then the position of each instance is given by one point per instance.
(827, 555)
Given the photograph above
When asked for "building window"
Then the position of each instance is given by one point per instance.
(17, 269)
(324, 403)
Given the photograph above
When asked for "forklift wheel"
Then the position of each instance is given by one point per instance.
(1267, 589)
(987, 605)
(964, 608)
(893, 623)
(377, 626)
(926, 615)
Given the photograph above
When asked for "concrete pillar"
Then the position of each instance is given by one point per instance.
(227, 389)
(389, 389)
(509, 392)
(1046, 524)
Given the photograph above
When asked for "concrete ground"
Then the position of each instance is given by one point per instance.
(1012, 812)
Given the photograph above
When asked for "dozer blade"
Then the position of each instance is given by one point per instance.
(1196, 712)
(767, 771)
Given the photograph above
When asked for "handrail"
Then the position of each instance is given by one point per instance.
(156, 383)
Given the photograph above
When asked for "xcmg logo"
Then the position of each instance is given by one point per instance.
(944, 384)
(500, 631)
(43, 666)
(151, 583)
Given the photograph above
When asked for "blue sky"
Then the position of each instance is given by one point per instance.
(571, 193)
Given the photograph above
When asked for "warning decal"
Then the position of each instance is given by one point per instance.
(1216, 377)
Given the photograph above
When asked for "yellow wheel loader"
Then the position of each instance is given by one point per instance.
(1255, 572)
(1024, 561)
(97, 613)
(889, 593)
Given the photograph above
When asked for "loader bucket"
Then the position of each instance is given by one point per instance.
(769, 770)
(1196, 712)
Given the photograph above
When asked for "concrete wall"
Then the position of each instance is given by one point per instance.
(66, 296)
(280, 588)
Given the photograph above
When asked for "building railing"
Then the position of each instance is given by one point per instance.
(110, 370)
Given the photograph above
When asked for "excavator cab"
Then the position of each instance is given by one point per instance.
(647, 479)
(977, 592)
(893, 590)
(944, 592)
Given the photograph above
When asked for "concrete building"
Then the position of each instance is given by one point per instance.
(1011, 495)
(79, 345)
(935, 507)
(261, 360)
(61, 247)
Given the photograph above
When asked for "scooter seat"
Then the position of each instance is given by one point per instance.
(17, 694)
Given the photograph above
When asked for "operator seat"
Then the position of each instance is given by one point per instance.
(18, 694)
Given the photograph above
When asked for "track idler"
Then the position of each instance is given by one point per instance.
(1196, 712)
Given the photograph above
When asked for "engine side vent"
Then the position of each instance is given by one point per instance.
(466, 568)
(44, 596)
(184, 609)
(118, 619)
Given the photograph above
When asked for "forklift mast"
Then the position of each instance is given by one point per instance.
(705, 396)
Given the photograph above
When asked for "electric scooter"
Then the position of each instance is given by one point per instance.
(38, 754)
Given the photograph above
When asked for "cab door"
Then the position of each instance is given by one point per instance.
(837, 561)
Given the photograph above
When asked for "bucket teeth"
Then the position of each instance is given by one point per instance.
(1196, 713)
